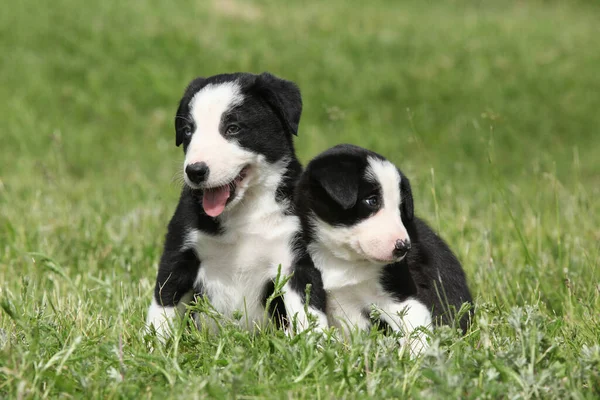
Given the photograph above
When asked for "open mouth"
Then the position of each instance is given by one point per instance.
(215, 199)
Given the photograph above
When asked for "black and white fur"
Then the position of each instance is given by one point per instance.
(358, 221)
(234, 224)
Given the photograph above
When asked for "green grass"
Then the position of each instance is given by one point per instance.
(492, 108)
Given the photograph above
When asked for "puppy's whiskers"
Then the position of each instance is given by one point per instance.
(178, 178)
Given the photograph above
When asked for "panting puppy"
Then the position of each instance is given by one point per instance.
(234, 225)
(358, 222)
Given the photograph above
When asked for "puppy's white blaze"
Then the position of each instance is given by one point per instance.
(225, 158)
(378, 235)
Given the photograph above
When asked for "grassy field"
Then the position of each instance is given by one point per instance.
(492, 109)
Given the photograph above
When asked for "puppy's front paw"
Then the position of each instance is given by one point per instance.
(160, 320)
(415, 343)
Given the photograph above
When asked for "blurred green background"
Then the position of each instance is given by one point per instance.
(492, 108)
(93, 89)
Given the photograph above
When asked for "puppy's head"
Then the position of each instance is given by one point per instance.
(357, 203)
(235, 130)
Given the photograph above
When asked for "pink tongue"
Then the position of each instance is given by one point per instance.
(214, 200)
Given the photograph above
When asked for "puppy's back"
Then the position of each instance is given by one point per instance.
(439, 276)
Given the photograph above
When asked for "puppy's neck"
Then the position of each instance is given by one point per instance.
(339, 272)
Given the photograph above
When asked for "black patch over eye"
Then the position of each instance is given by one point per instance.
(232, 129)
(187, 132)
(372, 201)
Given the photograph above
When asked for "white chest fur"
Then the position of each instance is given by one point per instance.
(236, 266)
(353, 288)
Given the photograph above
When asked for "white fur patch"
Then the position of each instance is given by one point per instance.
(298, 312)
(162, 318)
(410, 317)
(224, 158)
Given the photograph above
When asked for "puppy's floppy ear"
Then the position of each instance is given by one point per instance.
(284, 97)
(339, 180)
(406, 198)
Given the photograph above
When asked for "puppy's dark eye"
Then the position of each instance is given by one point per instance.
(372, 201)
(187, 132)
(232, 129)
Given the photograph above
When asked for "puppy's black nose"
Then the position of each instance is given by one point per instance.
(401, 247)
(197, 172)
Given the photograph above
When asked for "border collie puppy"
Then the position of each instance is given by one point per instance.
(234, 225)
(357, 218)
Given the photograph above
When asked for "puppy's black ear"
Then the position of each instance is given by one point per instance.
(339, 180)
(284, 97)
(406, 198)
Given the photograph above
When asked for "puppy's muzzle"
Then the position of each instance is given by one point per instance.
(197, 173)
(401, 248)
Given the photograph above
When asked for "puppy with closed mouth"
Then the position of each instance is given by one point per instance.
(234, 226)
(358, 222)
